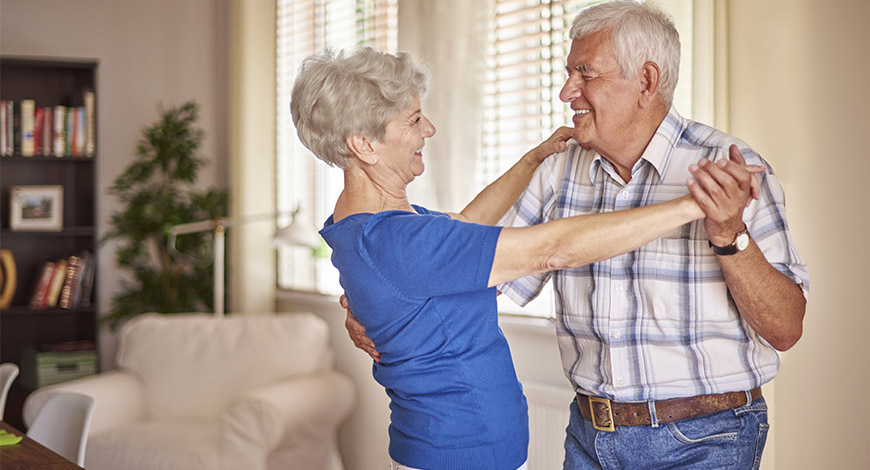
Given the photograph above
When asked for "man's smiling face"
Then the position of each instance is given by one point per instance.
(604, 103)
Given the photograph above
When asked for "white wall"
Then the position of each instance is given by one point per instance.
(150, 53)
(799, 94)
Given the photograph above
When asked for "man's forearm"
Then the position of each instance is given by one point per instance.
(770, 302)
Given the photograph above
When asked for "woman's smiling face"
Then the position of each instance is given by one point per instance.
(401, 149)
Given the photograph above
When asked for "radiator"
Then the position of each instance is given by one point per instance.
(548, 418)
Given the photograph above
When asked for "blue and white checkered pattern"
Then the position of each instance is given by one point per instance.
(658, 322)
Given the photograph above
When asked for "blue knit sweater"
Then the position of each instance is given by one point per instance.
(418, 283)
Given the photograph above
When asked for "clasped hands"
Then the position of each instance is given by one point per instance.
(722, 190)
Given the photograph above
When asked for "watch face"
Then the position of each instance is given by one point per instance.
(742, 241)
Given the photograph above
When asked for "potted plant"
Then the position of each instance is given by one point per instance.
(156, 191)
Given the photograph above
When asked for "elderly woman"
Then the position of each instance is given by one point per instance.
(422, 282)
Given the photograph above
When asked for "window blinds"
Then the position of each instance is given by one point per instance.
(526, 69)
(304, 27)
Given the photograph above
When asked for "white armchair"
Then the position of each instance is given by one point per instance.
(243, 392)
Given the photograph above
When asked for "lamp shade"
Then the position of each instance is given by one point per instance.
(297, 233)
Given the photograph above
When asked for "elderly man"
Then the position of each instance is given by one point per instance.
(667, 346)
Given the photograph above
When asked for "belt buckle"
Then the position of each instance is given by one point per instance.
(603, 403)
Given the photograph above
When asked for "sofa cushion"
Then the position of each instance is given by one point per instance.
(192, 365)
(157, 445)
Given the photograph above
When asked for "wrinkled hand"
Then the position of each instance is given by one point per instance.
(722, 190)
(357, 332)
(557, 142)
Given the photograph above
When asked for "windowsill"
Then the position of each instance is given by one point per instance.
(526, 324)
(292, 294)
(507, 321)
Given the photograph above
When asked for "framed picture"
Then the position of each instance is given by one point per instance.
(36, 208)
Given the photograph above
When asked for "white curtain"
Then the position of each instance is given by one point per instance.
(449, 37)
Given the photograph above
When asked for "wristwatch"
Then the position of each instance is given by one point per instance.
(741, 241)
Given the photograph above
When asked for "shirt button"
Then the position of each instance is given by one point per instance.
(617, 334)
(620, 382)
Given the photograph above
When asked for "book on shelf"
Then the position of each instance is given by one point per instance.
(38, 130)
(65, 283)
(79, 139)
(48, 128)
(89, 263)
(57, 280)
(10, 127)
(72, 283)
(43, 283)
(28, 130)
(90, 123)
(70, 130)
(59, 130)
(16, 128)
(28, 109)
(3, 133)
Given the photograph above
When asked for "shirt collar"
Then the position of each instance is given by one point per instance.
(659, 150)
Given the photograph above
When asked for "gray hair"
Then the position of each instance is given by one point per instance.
(339, 95)
(641, 32)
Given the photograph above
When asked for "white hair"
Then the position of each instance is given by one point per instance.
(641, 32)
(339, 95)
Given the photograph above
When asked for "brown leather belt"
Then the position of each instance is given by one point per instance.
(605, 414)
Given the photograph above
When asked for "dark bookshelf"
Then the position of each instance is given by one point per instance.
(49, 82)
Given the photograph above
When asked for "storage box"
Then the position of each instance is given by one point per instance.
(39, 369)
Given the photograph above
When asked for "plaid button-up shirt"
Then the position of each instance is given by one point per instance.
(658, 322)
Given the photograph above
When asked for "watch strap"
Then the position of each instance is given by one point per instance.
(724, 250)
(731, 248)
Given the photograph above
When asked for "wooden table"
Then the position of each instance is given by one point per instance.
(31, 455)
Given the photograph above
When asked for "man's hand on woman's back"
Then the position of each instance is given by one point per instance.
(357, 332)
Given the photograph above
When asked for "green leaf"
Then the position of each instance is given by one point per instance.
(155, 192)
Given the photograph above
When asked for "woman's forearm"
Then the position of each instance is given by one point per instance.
(492, 203)
(577, 241)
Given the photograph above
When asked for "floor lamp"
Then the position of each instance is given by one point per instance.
(297, 233)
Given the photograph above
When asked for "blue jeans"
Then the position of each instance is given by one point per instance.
(732, 438)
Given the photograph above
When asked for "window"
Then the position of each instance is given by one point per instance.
(526, 70)
(304, 182)
(527, 47)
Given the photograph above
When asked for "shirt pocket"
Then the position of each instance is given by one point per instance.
(680, 280)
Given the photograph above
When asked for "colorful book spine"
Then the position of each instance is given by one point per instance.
(57, 281)
(71, 284)
(38, 131)
(28, 110)
(79, 141)
(70, 130)
(89, 263)
(59, 131)
(90, 123)
(16, 127)
(40, 291)
(10, 127)
(47, 128)
(3, 134)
